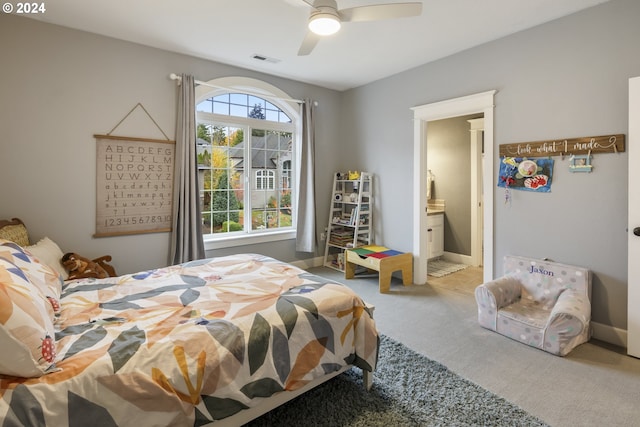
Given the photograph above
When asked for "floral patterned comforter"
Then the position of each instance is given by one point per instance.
(190, 344)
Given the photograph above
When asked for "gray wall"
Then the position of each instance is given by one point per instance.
(59, 87)
(449, 158)
(567, 78)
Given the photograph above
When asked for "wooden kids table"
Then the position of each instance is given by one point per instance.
(383, 260)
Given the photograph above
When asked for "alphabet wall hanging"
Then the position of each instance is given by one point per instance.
(134, 183)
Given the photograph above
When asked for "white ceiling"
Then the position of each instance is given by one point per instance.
(232, 31)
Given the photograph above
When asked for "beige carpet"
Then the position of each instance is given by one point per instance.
(595, 385)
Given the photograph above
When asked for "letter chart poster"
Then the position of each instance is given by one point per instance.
(134, 178)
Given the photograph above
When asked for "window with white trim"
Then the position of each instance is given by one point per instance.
(265, 179)
(246, 161)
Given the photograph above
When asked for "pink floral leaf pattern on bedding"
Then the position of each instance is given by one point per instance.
(133, 301)
(125, 346)
(258, 343)
(162, 329)
(321, 329)
(229, 335)
(288, 313)
(194, 390)
(6, 306)
(221, 408)
(281, 357)
(17, 416)
(72, 366)
(86, 340)
(308, 358)
(189, 296)
(18, 272)
(303, 302)
(84, 410)
(222, 370)
(259, 303)
(72, 330)
(20, 297)
(128, 386)
(17, 252)
(263, 387)
(197, 342)
(356, 312)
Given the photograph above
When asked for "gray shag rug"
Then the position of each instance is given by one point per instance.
(408, 390)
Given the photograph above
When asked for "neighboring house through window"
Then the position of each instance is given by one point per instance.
(265, 179)
(246, 145)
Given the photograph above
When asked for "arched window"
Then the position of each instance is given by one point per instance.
(246, 143)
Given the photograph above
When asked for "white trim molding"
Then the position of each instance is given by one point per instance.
(478, 103)
(609, 334)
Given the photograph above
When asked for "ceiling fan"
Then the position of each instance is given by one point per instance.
(326, 18)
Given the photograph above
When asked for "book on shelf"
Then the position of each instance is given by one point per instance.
(341, 237)
(353, 217)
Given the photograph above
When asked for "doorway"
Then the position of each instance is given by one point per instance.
(472, 104)
(454, 154)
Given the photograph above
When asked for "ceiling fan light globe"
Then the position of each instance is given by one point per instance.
(324, 24)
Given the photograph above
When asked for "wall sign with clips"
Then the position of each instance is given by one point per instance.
(572, 146)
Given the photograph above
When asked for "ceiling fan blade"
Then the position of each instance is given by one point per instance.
(379, 12)
(310, 41)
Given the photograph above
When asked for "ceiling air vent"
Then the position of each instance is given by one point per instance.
(264, 58)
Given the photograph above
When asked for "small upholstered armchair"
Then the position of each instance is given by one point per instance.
(543, 304)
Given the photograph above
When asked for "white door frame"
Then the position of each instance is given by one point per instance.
(477, 158)
(633, 245)
(472, 104)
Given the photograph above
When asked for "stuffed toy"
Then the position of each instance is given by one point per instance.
(80, 267)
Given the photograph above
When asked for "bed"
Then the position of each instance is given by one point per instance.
(217, 341)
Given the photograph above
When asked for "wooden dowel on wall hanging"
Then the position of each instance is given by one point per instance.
(576, 146)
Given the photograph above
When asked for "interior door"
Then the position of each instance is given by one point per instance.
(633, 274)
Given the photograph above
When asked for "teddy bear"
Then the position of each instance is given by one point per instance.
(80, 267)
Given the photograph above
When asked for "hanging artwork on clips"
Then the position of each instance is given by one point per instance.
(580, 163)
(521, 173)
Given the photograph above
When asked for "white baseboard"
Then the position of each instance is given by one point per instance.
(599, 331)
(308, 263)
(610, 334)
(457, 258)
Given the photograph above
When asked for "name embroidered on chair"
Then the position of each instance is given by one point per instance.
(540, 270)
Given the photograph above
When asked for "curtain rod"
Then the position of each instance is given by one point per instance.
(174, 76)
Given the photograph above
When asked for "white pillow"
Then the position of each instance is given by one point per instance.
(50, 254)
(27, 333)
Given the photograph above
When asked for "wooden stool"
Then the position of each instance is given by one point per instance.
(382, 260)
